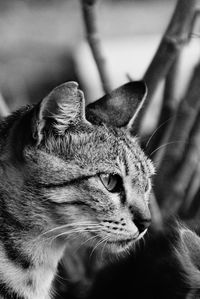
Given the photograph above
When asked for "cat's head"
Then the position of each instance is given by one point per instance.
(73, 176)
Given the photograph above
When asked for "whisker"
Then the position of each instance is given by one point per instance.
(158, 128)
(166, 144)
(98, 244)
(75, 230)
(68, 225)
(93, 237)
(103, 248)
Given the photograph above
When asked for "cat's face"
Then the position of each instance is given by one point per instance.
(90, 181)
(97, 181)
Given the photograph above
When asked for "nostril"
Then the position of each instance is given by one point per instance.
(142, 224)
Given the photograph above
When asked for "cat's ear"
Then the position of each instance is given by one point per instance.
(63, 108)
(120, 107)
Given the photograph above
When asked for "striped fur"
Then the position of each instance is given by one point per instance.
(51, 193)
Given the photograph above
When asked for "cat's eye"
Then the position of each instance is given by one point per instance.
(112, 182)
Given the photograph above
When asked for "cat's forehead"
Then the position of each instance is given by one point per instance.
(104, 149)
(91, 147)
(136, 162)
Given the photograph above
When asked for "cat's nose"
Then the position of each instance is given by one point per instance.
(141, 216)
(142, 224)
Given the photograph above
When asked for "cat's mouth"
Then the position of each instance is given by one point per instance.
(123, 242)
(118, 245)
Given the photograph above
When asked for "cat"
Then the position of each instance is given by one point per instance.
(68, 175)
(166, 266)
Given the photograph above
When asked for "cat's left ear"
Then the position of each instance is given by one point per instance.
(63, 108)
(120, 107)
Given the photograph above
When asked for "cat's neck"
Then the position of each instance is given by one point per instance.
(35, 281)
(28, 264)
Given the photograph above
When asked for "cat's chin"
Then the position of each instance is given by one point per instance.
(121, 246)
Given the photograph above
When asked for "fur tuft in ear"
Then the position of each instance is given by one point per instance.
(64, 107)
(120, 107)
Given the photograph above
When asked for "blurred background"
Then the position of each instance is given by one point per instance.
(43, 44)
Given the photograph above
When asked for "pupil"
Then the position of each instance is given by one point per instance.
(109, 179)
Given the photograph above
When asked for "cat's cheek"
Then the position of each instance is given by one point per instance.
(147, 197)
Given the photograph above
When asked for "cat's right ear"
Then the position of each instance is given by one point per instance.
(63, 108)
(120, 107)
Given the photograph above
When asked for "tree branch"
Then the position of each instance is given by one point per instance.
(175, 37)
(169, 106)
(89, 16)
(4, 110)
(180, 158)
(157, 219)
(190, 205)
